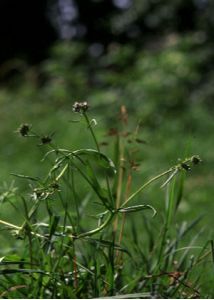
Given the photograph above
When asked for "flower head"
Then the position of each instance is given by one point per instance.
(24, 129)
(80, 107)
(46, 140)
(195, 159)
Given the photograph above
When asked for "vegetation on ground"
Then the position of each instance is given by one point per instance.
(88, 228)
(114, 199)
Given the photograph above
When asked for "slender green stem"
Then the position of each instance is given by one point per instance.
(20, 228)
(145, 185)
(91, 130)
(98, 229)
(82, 235)
(120, 179)
(10, 225)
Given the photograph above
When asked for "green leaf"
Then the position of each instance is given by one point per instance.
(212, 250)
(100, 191)
(169, 178)
(131, 296)
(12, 258)
(106, 243)
(2, 258)
(179, 193)
(101, 159)
(53, 225)
(135, 208)
(24, 271)
(25, 177)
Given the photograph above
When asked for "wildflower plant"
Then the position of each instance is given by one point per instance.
(64, 256)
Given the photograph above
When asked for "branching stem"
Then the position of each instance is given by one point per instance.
(145, 185)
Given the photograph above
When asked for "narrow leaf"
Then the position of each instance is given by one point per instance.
(25, 177)
(169, 178)
(100, 158)
(212, 250)
(137, 208)
(106, 243)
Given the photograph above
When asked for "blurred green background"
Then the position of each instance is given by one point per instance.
(155, 57)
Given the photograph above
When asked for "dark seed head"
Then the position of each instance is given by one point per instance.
(185, 167)
(80, 106)
(46, 140)
(54, 185)
(24, 129)
(195, 160)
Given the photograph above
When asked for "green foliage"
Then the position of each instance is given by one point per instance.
(73, 191)
(69, 246)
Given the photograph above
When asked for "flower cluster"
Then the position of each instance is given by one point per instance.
(46, 140)
(80, 107)
(194, 160)
(24, 129)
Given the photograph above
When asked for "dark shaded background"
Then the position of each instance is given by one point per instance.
(29, 28)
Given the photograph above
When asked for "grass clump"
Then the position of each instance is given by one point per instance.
(85, 233)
